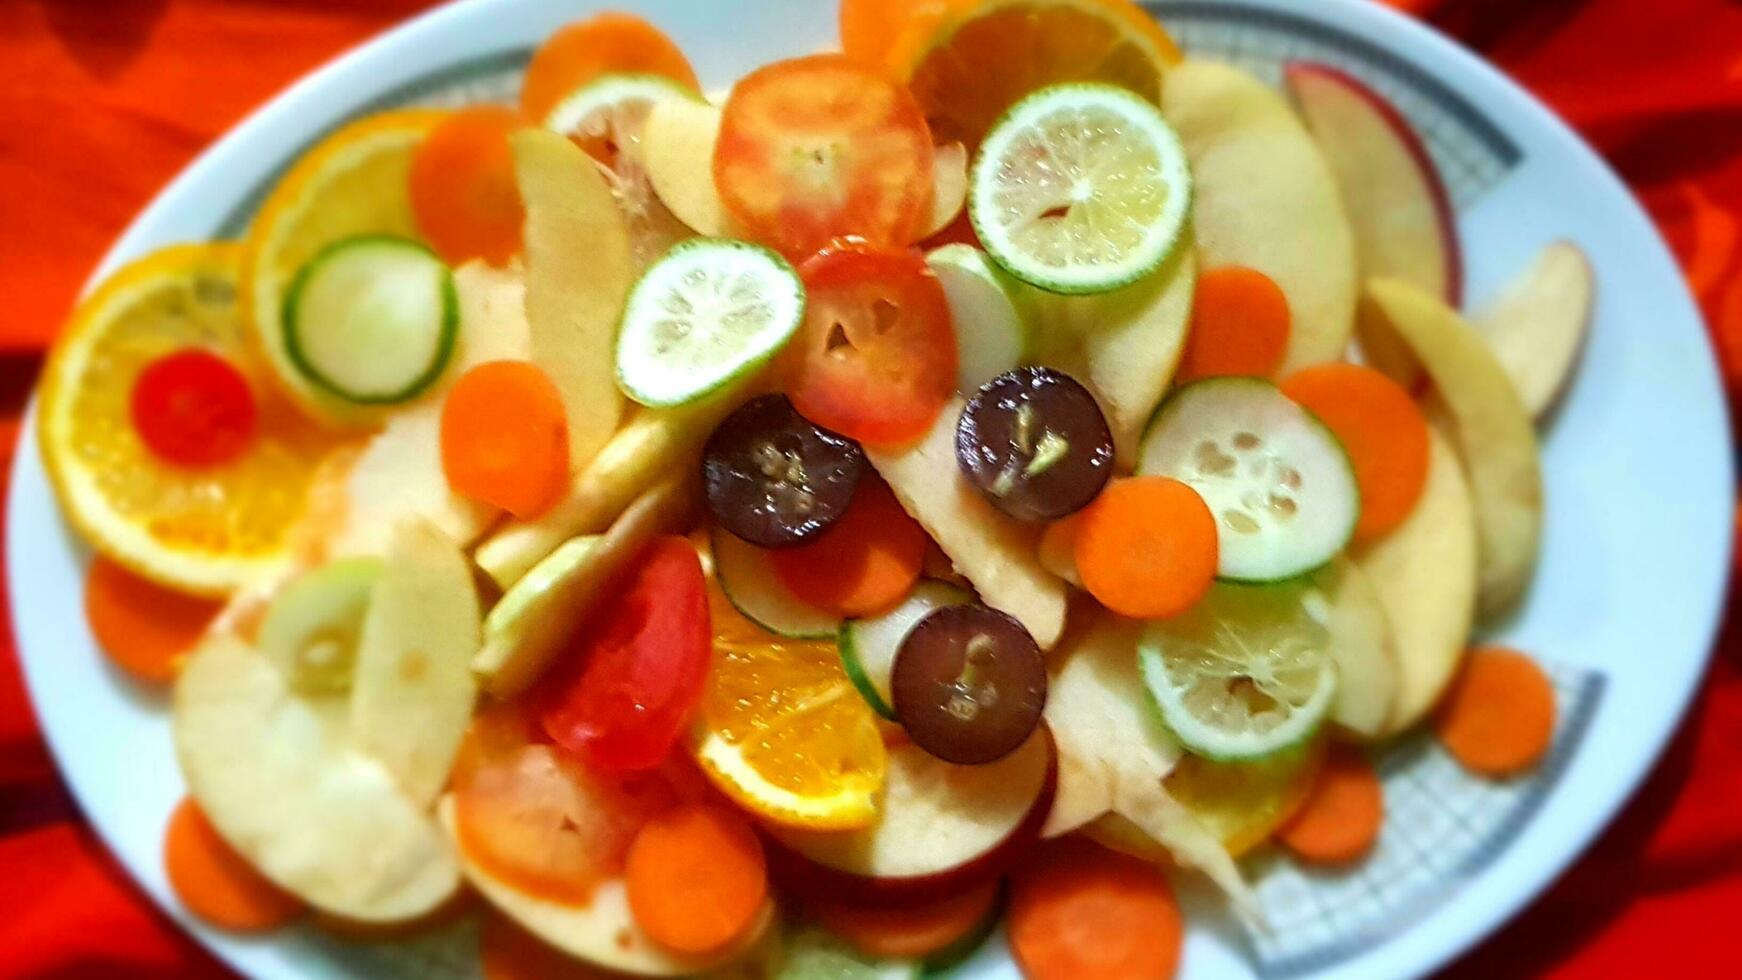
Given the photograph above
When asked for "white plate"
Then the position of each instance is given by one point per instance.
(1637, 458)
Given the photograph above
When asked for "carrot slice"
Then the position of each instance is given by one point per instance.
(582, 51)
(1240, 325)
(216, 883)
(1146, 548)
(144, 628)
(1498, 717)
(463, 189)
(697, 878)
(865, 563)
(508, 952)
(1383, 430)
(1080, 910)
(907, 932)
(1340, 820)
(505, 438)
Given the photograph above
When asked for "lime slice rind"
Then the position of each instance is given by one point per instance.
(1080, 188)
(611, 91)
(1246, 674)
(710, 312)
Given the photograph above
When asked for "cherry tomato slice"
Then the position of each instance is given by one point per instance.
(193, 408)
(635, 678)
(876, 357)
(820, 148)
(537, 818)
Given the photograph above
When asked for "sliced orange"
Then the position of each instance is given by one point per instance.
(204, 531)
(356, 181)
(972, 59)
(783, 732)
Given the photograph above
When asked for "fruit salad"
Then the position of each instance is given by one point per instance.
(958, 480)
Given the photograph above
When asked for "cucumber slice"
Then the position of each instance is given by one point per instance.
(1281, 486)
(1080, 188)
(751, 586)
(311, 629)
(816, 955)
(990, 322)
(709, 312)
(1245, 674)
(372, 319)
(868, 646)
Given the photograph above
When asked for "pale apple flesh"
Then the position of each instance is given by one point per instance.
(1424, 575)
(941, 828)
(1490, 428)
(1264, 197)
(1398, 205)
(1537, 324)
(1364, 649)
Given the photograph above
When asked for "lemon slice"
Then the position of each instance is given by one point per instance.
(1080, 189)
(783, 732)
(1245, 674)
(355, 182)
(206, 530)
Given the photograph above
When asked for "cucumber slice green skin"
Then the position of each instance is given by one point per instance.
(991, 322)
(816, 955)
(754, 590)
(311, 629)
(1294, 444)
(662, 368)
(868, 646)
(304, 291)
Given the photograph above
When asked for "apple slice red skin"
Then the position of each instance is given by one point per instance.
(803, 877)
(1412, 143)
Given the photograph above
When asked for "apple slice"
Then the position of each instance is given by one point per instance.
(1264, 197)
(1490, 428)
(1537, 324)
(1123, 345)
(528, 626)
(493, 323)
(1424, 574)
(283, 786)
(1398, 206)
(996, 553)
(398, 476)
(579, 269)
(602, 932)
(941, 828)
(653, 443)
(1364, 649)
(413, 689)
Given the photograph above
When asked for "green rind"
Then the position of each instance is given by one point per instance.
(747, 364)
(852, 660)
(732, 584)
(1153, 672)
(1052, 285)
(449, 328)
(1172, 401)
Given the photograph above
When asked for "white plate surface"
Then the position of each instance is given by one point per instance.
(1637, 458)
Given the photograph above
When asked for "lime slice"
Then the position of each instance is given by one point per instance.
(709, 312)
(610, 104)
(1080, 189)
(1246, 673)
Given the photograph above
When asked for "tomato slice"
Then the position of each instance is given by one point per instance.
(193, 408)
(876, 357)
(537, 818)
(634, 680)
(820, 148)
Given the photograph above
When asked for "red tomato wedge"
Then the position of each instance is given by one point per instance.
(537, 818)
(636, 676)
(193, 408)
(820, 148)
(875, 359)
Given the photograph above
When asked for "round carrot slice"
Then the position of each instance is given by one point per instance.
(697, 878)
(463, 189)
(1381, 428)
(1079, 910)
(1341, 817)
(216, 883)
(581, 52)
(908, 932)
(144, 628)
(1147, 547)
(1498, 718)
(504, 437)
(1240, 325)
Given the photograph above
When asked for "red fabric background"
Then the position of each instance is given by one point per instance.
(102, 101)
